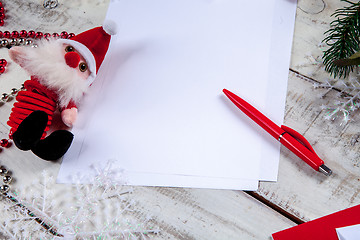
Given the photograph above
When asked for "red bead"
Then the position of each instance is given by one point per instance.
(32, 34)
(2, 69)
(71, 35)
(47, 35)
(5, 143)
(39, 35)
(2, 15)
(2, 9)
(64, 34)
(2, 22)
(11, 134)
(7, 34)
(55, 35)
(23, 34)
(3, 62)
(1, 5)
(15, 34)
(1, 34)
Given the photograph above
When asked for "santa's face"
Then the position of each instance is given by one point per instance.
(56, 65)
(75, 60)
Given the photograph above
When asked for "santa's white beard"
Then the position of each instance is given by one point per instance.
(47, 64)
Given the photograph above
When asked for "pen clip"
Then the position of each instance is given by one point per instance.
(298, 137)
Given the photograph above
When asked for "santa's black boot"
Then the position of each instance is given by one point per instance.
(54, 146)
(30, 130)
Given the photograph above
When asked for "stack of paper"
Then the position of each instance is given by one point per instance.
(157, 107)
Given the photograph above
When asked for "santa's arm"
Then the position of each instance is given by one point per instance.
(69, 114)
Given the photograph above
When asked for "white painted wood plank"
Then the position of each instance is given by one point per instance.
(209, 214)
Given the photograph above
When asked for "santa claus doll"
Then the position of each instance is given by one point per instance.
(61, 71)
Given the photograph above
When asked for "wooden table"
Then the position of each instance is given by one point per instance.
(299, 195)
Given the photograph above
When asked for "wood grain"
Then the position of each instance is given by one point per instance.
(209, 214)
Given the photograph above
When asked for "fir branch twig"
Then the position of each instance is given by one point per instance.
(343, 38)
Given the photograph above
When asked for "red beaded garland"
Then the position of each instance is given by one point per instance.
(15, 34)
(47, 35)
(3, 62)
(7, 34)
(39, 35)
(64, 34)
(2, 14)
(31, 34)
(5, 143)
(23, 33)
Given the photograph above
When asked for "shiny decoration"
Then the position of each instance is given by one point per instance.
(4, 188)
(3, 62)
(23, 37)
(50, 4)
(39, 35)
(14, 42)
(15, 34)
(31, 34)
(5, 143)
(5, 97)
(64, 34)
(23, 34)
(6, 34)
(28, 42)
(7, 179)
(3, 170)
(4, 42)
(14, 91)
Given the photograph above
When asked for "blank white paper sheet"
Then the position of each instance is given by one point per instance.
(157, 107)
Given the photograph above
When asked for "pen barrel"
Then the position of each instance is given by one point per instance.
(301, 151)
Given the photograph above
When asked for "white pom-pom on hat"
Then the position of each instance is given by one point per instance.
(110, 27)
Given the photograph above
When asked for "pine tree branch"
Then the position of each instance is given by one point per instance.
(343, 38)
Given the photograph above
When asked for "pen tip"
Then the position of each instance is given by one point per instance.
(325, 170)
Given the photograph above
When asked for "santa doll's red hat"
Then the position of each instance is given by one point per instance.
(93, 45)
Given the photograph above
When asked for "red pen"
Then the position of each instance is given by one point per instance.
(288, 137)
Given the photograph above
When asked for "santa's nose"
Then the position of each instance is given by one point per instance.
(72, 59)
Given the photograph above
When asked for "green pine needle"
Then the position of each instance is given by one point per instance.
(343, 38)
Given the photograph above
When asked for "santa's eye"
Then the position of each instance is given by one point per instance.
(69, 49)
(83, 67)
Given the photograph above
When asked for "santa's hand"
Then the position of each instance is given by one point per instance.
(68, 116)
